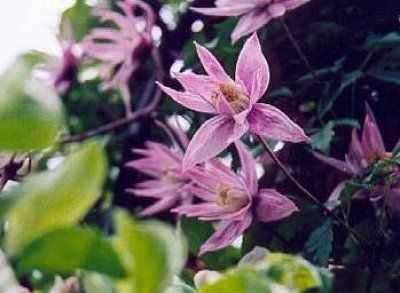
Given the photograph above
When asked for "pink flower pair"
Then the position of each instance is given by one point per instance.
(256, 13)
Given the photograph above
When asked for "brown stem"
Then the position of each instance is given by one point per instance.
(137, 115)
(298, 49)
(308, 194)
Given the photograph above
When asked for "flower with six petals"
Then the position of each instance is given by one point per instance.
(232, 198)
(234, 102)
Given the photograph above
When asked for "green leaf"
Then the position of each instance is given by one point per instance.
(321, 140)
(151, 254)
(376, 43)
(391, 76)
(66, 250)
(245, 279)
(29, 110)
(77, 20)
(295, 273)
(57, 198)
(319, 244)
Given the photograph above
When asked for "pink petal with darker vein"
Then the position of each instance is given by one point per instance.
(212, 137)
(226, 234)
(272, 206)
(252, 68)
(269, 121)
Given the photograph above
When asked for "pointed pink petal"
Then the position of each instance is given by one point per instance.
(272, 206)
(371, 140)
(235, 10)
(335, 163)
(335, 194)
(161, 205)
(269, 121)
(198, 84)
(212, 66)
(248, 168)
(226, 234)
(249, 23)
(211, 138)
(201, 193)
(203, 210)
(252, 68)
(190, 101)
(355, 155)
(293, 4)
(156, 192)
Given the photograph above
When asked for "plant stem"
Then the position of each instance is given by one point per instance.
(308, 194)
(298, 49)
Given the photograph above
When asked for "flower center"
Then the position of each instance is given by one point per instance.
(373, 157)
(234, 96)
(171, 177)
(232, 198)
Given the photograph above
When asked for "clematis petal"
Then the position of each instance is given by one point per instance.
(248, 167)
(204, 210)
(355, 154)
(212, 66)
(201, 193)
(226, 234)
(234, 10)
(190, 101)
(272, 206)
(293, 4)
(335, 163)
(161, 205)
(198, 84)
(250, 59)
(211, 138)
(249, 23)
(269, 121)
(371, 140)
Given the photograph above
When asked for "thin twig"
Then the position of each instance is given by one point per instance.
(308, 194)
(137, 115)
(298, 49)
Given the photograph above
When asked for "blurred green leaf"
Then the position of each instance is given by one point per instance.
(151, 253)
(66, 250)
(241, 280)
(319, 244)
(29, 111)
(295, 273)
(77, 20)
(57, 198)
(8, 282)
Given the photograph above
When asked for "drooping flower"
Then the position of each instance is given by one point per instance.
(234, 102)
(362, 153)
(255, 13)
(119, 49)
(233, 198)
(164, 166)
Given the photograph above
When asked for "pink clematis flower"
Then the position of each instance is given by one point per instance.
(120, 49)
(234, 102)
(167, 185)
(363, 153)
(256, 13)
(232, 198)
